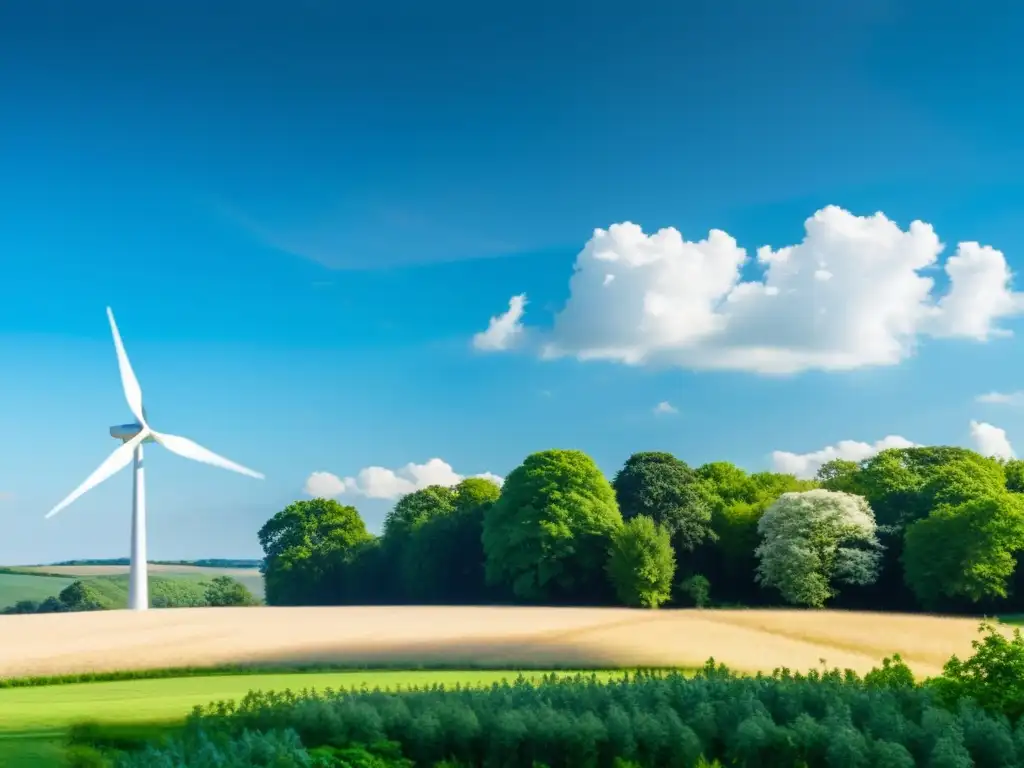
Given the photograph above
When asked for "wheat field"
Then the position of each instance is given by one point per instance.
(496, 637)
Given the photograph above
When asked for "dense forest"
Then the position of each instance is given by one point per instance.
(926, 528)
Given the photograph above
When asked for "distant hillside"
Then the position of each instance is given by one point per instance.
(208, 563)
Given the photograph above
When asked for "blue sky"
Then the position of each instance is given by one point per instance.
(301, 213)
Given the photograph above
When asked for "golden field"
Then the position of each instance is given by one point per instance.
(499, 637)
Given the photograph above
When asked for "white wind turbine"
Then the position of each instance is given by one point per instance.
(133, 436)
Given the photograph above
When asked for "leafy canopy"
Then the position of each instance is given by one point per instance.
(546, 537)
(811, 540)
(965, 550)
(305, 545)
(440, 553)
(666, 490)
(641, 563)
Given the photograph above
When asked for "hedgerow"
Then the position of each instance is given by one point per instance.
(972, 715)
(656, 720)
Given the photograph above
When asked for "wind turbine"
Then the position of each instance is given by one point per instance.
(133, 436)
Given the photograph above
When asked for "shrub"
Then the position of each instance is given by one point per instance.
(993, 676)
(641, 563)
(696, 590)
(645, 720)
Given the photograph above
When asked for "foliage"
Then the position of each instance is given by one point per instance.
(224, 591)
(968, 550)
(417, 507)
(1014, 471)
(643, 720)
(738, 501)
(81, 596)
(307, 545)
(813, 540)
(435, 537)
(641, 563)
(201, 749)
(696, 590)
(546, 536)
(665, 489)
(993, 676)
(838, 475)
(177, 593)
(111, 592)
(894, 674)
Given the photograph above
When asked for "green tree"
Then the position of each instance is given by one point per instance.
(993, 676)
(665, 489)
(738, 501)
(813, 540)
(416, 507)
(546, 537)
(307, 546)
(81, 596)
(1014, 471)
(839, 475)
(642, 563)
(904, 485)
(175, 593)
(225, 591)
(441, 557)
(967, 550)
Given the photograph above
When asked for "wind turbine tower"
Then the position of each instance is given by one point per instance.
(132, 437)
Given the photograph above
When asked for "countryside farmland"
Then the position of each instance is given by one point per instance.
(401, 647)
(37, 582)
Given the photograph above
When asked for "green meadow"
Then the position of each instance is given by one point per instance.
(34, 721)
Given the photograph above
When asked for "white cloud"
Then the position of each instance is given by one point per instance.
(806, 465)
(503, 331)
(324, 485)
(854, 292)
(988, 440)
(991, 441)
(665, 407)
(1002, 398)
(383, 483)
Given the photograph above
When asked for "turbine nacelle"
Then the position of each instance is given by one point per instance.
(125, 432)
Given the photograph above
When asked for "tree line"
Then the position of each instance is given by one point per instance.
(929, 528)
(103, 593)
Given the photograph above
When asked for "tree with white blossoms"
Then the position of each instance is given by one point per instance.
(813, 540)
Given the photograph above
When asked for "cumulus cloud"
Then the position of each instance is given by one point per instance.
(324, 485)
(504, 330)
(855, 292)
(665, 408)
(806, 465)
(990, 440)
(383, 483)
(1002, 398)
(987, 440)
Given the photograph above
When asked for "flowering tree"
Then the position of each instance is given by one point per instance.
(813, 540)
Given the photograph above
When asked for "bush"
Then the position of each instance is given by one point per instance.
(993, 677)
(641, 563)
(225, 591)
(696, 591)
(894, 674)
(644, 720)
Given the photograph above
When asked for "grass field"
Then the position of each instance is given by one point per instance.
(16, 586)
(34, 721)
(28, 586)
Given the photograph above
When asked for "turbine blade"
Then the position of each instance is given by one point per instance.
(191, 450)
(132, 390)
(113, 464)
